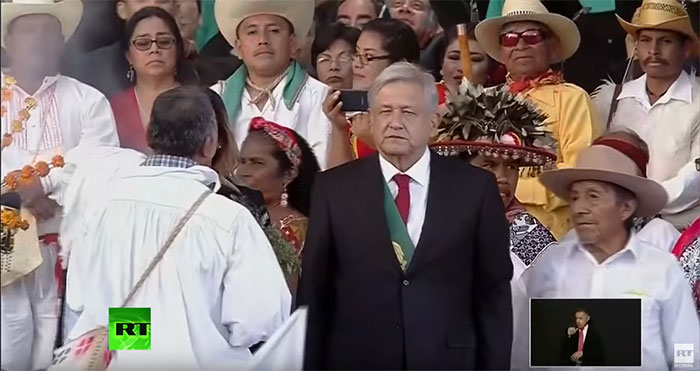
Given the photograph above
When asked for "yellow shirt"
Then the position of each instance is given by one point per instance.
(574, 125)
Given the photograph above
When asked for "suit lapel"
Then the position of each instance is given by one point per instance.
(437, 191)
(373, 220)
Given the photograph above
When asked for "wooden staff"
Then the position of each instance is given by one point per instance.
(465, 55)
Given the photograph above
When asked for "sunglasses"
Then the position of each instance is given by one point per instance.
(162, 43)
(531, 37)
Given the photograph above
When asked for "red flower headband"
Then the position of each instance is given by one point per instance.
(629, 150)
(284, 137)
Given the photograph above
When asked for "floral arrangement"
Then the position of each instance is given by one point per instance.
(28, 172)
(23, 115)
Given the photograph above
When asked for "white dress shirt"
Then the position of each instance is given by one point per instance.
(306, 116)
(670, 127)
(568, 270)
(216, 292)
(68, 114)
(417, 187)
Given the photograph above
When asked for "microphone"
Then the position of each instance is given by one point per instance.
(11, 200)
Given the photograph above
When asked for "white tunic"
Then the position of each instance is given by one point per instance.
(217, 291)
(568, 270)
(306, 116)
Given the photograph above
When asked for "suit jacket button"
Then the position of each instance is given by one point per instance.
(406, 283)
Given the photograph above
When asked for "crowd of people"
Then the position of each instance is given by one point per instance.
(224, 189)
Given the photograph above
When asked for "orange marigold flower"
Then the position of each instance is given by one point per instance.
(17, 126)
(6, 140)
(24, 225)
(11, 182)
(27, 171)
(6, 94)
(23, 114)
(29, 102)
(57, 161)
(42, 168)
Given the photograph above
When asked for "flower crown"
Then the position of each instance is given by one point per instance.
(284, 137)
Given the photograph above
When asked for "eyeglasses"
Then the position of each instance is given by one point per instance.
(531, 37)
(366, 58)
(161, 42)
(341, 60)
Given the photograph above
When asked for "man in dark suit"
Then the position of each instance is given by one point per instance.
(582, 345)
(406, 262)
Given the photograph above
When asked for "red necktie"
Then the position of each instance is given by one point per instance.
(580, 340)
(403, 199)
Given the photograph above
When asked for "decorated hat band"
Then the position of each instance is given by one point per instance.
(284, 137)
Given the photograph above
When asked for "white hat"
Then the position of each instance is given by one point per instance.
(68, 12)
(230, 13)
(488, 31)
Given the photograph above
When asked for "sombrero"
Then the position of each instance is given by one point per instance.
(488, 31)
(68, 12)
(230, 13)
(605, 164)
(668, 15)
(19, 252)
(496, 123)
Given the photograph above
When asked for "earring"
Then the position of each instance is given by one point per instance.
(284, 197)
(130, 73)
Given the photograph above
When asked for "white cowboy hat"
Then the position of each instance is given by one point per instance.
(488, 31)
(68, 12)
(230, 13)
(606, 164)
(666, 15)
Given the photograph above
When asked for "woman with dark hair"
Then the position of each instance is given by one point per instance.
(381, 43)
(450, 57)
(279, 163)
(331, 55)
(155, 51)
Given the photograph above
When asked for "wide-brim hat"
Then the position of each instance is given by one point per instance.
(668, 15)
(605, 164)
(524, 156)
(25, 257)
(488, 31)
(230, 13)
(68, 12)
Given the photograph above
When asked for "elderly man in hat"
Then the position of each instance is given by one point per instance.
(529, 40)
(662, 105)
(270, 84)
(43, 114)
(606, 190)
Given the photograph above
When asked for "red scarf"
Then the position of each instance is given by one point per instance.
(524, 84)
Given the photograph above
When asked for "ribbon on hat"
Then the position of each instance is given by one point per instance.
(635, 154)
(284, 137)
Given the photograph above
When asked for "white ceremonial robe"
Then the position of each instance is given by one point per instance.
(671, 129)
(69, 115)
(306, 116)
(568, 270)
(216, 292)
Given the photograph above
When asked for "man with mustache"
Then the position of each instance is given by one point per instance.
(270, 84)
(529, 40)
(662, 106)
(606, 189)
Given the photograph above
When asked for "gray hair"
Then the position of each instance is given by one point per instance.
(407, 72)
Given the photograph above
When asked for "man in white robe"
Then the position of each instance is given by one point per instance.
(663, 105)
(606, 260)
(270, 83)
(65, 115)
(219, 289)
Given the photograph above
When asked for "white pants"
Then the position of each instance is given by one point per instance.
(30, 317)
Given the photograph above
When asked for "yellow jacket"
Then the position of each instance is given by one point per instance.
(574, 124)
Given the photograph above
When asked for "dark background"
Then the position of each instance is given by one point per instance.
(618, 322)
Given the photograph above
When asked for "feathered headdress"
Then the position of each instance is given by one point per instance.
(495, 122)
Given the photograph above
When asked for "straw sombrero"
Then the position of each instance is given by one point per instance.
(495, 123)
(230, 13)
(488, 31)
(605, 164)
(666, 15)
(25, 255)
(68, 12)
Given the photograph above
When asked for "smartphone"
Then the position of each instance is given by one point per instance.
(354, 100)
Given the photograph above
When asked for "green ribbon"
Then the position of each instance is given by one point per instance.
(232, 92)
(400, 239)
